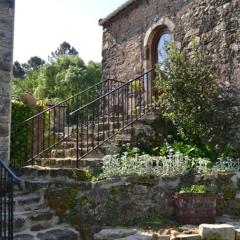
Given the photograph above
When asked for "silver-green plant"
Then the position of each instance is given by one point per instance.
(172, 165)
(227, 164)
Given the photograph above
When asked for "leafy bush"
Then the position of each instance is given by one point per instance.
(20, 135)
(190, 96)
(200, 189)
(172, 147)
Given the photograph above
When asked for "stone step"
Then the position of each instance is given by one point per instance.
(59, 232)
(187, 237)
(116, 118)
(28, 202)
(70, 162)
(72, 153)
(18, 192)
(42, 176)
(94, 137)
(34, 220)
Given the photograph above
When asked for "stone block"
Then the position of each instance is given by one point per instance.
(217, 231)
(163, 237)
(5, 87)
(4, 131)
(58, 234)
(4, 156)
(115, 233)
(187, 237)
(138, 236)
(4, 75)
(237, 236)
(23, 237)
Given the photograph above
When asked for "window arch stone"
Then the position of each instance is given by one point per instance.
(162, 26)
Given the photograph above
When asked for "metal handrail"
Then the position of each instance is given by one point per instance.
(66, 100)
(7, 180)
(108, 93)
(10, 172)
(47, 130)
(52, 126)
(109, 104)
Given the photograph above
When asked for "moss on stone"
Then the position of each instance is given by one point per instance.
(62, 200)
(228, 191)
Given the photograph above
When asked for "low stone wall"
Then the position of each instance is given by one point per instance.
(135, 200)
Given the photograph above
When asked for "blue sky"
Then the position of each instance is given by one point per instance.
(41, 25)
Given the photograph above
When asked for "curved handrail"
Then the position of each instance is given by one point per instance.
(10, 172)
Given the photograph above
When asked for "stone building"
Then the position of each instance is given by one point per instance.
(6, 52)
(132, 34)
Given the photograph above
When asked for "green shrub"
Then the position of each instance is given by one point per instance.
(20, 134)
(190, 96)
(171, 147)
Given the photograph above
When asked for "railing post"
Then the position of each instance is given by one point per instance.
(7, 179)
(77, 144)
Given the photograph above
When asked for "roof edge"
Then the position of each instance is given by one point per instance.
(114, 13)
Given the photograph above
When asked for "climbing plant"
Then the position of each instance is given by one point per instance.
(20, 133)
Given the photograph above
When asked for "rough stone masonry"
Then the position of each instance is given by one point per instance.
(128, 33)
(6, 52)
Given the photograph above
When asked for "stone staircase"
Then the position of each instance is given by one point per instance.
(33, 220)
(64, 154)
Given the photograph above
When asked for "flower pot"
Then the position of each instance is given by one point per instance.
(28, 99)
(195, 208)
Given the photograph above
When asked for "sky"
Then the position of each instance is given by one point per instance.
(42, 25)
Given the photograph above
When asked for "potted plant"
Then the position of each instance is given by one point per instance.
(195, 204)
(135, 98)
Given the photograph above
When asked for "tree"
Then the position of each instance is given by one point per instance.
(94, 72)
(18, 70)
(64, 49)
(58, 79)
(35, 63)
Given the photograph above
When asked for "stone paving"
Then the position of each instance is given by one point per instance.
(229, 231)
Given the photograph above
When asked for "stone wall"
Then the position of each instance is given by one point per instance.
(6, 52)
(135, 200)
(215, 23)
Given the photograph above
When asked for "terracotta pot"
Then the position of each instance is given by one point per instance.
(195, 208)
(28, 99)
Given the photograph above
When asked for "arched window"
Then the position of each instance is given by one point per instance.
(162, 46)
(161, 39)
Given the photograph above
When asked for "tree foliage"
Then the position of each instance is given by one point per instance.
(18, 70)
(35, 63)
(64, 49)
(59, 79)
(189, 95)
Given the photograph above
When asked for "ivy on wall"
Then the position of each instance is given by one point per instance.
(20, 133)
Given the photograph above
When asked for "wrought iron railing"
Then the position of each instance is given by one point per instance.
(104, 117)
(52, 126)
(7, 180)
